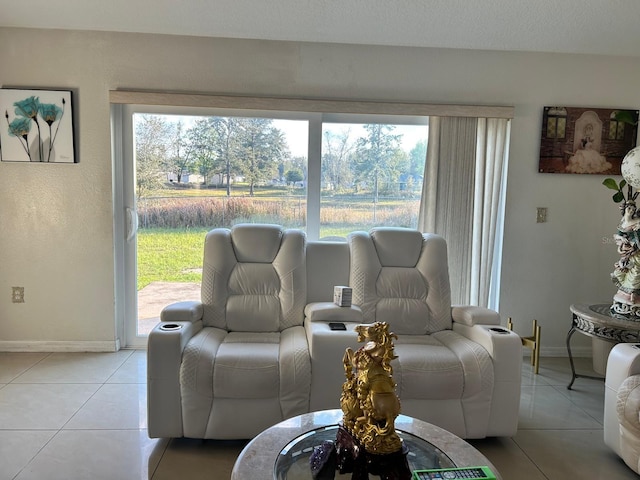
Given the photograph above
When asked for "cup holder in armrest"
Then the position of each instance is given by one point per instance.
(170, 327)
(499, 330)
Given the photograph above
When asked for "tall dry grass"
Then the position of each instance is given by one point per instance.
(209, 212)
(218, 212)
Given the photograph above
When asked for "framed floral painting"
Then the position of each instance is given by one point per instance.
(586, 140)
(37, 126)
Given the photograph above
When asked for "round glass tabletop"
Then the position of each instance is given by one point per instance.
(292, 463)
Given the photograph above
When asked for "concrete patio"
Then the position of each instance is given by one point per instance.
(155, 296)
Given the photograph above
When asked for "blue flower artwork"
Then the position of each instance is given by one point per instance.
(37, 126)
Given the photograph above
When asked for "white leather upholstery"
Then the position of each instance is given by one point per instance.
(247, 366)
(254, 278)
(330, 312)
(258, 349)
(400, 276)
(327, 348)
(327, 266)
(622, 403)
(408, 289)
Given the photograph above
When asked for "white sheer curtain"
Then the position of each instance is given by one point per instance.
(462, 200)
(488, 206)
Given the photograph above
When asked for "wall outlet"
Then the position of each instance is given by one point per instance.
(541, 215)
(17, 294)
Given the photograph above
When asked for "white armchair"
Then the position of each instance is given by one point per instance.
(622, 403)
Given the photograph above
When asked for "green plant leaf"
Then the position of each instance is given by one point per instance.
(618, 197)
(611, 183)
(625, 116)
(623, 182)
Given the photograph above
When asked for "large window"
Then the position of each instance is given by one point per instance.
(215, 171)
(184, 164)
(206, 171)
(197, 170)
(371, 175)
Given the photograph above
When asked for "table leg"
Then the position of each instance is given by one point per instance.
(573, 368)
(574, 375)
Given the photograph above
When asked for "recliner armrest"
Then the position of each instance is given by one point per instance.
(472, 315)
(503, 345)
(628, 404)
(189, 311)
(179, 322)
(505, 349)
(623, 364)
(330, 312)
(164, 353)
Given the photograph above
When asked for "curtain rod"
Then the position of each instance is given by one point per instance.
(130, 97)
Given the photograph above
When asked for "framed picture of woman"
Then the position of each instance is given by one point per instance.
(586, 140)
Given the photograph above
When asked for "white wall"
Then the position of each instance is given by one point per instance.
(57, 220)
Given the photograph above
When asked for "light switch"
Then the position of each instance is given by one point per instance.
(541, 215)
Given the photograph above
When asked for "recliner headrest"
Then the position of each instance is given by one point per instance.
(397, 247)
(256, 243)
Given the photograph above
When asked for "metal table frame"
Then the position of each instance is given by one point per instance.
(598, 322)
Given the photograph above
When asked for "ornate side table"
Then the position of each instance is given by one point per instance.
(597, 321)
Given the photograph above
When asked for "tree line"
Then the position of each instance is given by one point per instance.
(256, 151)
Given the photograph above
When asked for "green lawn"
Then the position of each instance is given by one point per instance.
(175, 254)
(170, 255)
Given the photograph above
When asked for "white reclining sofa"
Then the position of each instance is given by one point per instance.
(258, 349)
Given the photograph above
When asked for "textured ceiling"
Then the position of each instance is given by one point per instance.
(606, 27)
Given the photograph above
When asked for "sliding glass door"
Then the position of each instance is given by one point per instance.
(184, 171)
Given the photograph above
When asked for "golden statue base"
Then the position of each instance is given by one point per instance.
(346, 455)
(353, 458)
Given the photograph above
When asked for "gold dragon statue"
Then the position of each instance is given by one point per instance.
(368, 401)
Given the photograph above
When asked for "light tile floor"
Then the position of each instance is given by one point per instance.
(83, 416)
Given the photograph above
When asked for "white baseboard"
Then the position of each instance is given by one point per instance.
(59, 346)
(577, 352)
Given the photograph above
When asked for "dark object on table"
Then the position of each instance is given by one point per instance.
(323, 461)
(353, 458)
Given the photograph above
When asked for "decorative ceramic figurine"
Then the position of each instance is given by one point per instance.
(626, 275)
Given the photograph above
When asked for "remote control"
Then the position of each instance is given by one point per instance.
(471, 473)
(337, 326)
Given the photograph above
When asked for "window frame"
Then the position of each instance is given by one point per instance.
(315, 111)
(122, 102)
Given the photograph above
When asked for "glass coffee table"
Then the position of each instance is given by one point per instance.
(282, 451)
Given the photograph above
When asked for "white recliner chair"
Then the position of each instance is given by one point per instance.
(456, 366)
(250, 354)
(236, 362)
(622, 403)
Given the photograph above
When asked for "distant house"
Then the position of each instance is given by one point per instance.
(186, 178)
